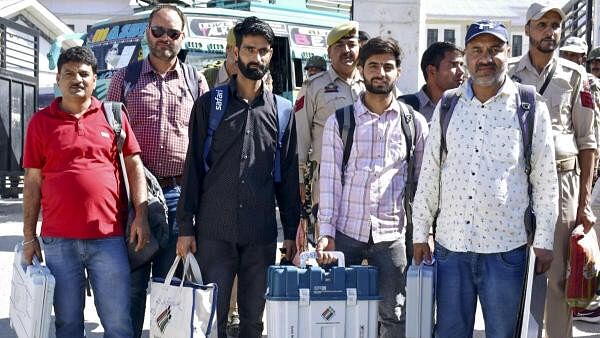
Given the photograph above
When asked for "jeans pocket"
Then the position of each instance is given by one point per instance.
(440, 253)
(514, 258)
(49, 240)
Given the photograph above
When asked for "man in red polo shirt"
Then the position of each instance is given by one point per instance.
(72, 174)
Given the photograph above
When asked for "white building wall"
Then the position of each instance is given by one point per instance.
(402, 20)
(81, 14)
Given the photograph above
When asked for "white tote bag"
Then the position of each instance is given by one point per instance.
(183, 308)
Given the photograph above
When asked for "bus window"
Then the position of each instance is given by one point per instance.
(298, 72)
(280, 68)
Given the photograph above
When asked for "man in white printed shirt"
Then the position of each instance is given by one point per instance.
(481, 239)
(361, 211)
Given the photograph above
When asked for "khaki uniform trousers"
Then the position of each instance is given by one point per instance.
(558, 321)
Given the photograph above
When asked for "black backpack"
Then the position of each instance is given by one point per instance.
(157, 205)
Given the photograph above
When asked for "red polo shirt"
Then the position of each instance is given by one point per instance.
(81, 187)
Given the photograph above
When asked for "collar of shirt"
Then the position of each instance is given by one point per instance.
(361, 109)
(147, 68)
(424, 99)
(57, 111)
(232, 84)
(356, 77)
(508, 88)
(525, 63)
(222, 76)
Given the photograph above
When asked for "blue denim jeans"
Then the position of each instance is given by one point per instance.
(108, 269)
(497, 279)
(390, 259)
(160, 264)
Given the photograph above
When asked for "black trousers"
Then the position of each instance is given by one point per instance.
(220, 262)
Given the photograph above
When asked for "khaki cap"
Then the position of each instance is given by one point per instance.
(230, 37)
(345, 30)
(537, 10)
(575, 44)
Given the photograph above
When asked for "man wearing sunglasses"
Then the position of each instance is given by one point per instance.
(159, 106)
(227, 207)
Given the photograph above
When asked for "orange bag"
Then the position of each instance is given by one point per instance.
(582, 271)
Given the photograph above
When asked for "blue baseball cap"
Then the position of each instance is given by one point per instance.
(486, 27)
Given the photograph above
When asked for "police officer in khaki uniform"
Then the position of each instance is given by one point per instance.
(572, 113)
(574, 49)
(219, 73)
(593, 61)
(325, 92)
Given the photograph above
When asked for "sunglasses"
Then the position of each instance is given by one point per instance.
(158, 31)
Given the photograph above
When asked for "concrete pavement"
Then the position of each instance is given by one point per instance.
(11, 233)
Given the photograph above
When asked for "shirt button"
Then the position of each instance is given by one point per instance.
(470, 197)
(473, 174)
(243, 181)
(476, 150)
(244, 157)
(482, 106)
(247, 132)
(161, 147)
(241, 205)
(480, 127)
(468, 222)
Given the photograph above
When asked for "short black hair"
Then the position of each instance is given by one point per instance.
(171, 7)
(253, 26)
(377, 46)
(435, 53)
(363, 36)
(78, 54)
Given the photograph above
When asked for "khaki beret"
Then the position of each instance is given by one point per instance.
(345, 30)
(230, 37)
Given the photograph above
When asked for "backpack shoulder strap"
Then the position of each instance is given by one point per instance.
(407, 122)
(112, 112)
(132, 75)
(191, 78)
(526, 116)
(411, 100)
(449, 100)
(284, 110)
(346, 125)
(219, 99)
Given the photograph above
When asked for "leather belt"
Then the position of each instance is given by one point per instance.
(167, 182)
(567, 164)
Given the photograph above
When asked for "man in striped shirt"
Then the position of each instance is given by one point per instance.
(361, 211)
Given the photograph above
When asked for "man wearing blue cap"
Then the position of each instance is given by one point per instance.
(474, 186)
(571, 104)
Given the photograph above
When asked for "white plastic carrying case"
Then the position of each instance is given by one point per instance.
(309, 302)
(420, 299)
(31, 297)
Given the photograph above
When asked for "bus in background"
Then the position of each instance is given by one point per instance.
(299, 34)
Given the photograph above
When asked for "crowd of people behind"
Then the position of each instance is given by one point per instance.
(450, 173)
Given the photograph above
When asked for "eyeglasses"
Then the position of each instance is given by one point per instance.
(158, 31)
(253, 50)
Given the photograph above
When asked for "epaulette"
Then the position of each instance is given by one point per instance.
(570, 65)
(315, 76)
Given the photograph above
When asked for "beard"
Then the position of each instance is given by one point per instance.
(544, 49)
(491, 80)
(252, 73)
(166, 53)
(378, 90)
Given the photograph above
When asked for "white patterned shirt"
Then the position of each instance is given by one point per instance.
(483, 180)
(371, 200)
